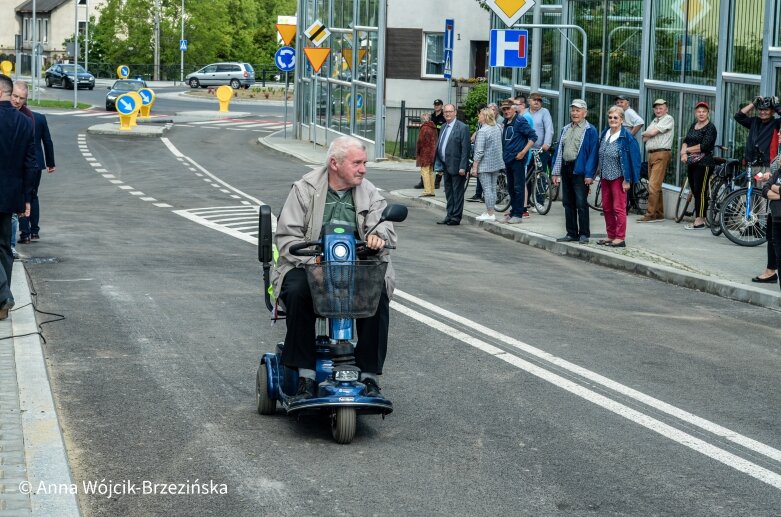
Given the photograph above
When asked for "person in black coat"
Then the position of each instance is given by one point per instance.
(44, 155)
(17, 167)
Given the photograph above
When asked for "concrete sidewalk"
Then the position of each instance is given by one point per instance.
(665, 251)
(32, 452)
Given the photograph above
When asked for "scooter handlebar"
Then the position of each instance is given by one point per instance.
(300, 250)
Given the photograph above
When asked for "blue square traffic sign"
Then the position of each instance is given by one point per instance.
(508, 48)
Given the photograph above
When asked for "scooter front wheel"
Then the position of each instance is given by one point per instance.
(343, 422)
(266, 405)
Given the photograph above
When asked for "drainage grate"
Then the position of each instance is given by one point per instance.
(42, 260)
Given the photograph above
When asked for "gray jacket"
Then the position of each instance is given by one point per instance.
(301, 219)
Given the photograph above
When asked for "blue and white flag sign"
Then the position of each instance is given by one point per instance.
(508, 48)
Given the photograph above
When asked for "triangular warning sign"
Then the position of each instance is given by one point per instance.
(347, 53)
(287, 32)
(316, 56)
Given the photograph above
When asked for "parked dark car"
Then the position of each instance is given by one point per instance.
(120, 87)
(63, 75)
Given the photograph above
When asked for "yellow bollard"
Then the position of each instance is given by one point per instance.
(134, 115)
(6, 67)
(224, 95)
(148, 98)
(126, 106)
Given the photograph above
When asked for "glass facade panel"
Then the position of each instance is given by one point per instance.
(614, 31)
(342, 14)
(685, 42)
(339, 108)
(321, 94)
(367, 13)
(550, 72)
(502, 76)
(673, 108)
(337, 60)
(366, 116)
(736, 96)
(367, 57)
(435, 45)
(745, 53)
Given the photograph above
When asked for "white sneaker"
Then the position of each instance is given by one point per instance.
(486, 217)
(532, 208)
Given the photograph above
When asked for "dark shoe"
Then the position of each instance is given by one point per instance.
(5, 307)
(372, 389)
(444, 221)
(621, 244)
(566, 238)
(475, 199)
(419, 185)
(604, 242)
(583, 239)
(453, 223)
(437, 182)
(34, 237)
(24, 240)
(769, 280)
(306, 389)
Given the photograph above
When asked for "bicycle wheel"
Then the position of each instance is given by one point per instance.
(685, 199)
(594, 195)
(542, 193)
(502, 194)
(742, 229)
(640, 195)
(718, 192)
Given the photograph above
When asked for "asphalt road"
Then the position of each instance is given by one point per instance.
(523, 383)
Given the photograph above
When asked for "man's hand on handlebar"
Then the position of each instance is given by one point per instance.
(373, 242)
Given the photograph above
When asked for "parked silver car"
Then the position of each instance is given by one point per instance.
(237, 75)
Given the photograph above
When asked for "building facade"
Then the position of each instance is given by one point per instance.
(724, 52)
(382, 54)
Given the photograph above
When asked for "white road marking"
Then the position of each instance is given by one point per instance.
(727, 458)
(126, 187)
(148, 199)
(136, 193)
(657, 404)
(163, 205)
(116, 182)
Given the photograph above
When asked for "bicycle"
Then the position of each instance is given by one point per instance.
(724, 181)
(594, 193)
(539, 184)
(685, 200)
(502, 194)
(744, 212)
(637, 196)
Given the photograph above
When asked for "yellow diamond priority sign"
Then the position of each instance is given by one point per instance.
(510, 11)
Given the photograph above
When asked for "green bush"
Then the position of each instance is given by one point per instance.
(477, 95)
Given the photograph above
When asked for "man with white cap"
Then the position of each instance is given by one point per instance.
(574, 166)
(658, 140)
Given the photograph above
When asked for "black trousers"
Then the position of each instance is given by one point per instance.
(774, 236)
(772, 256)
(6, 257)
(299, 351)
(454, 195)
(573, 197)
(699, 176)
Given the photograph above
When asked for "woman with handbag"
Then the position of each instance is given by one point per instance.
(772, 192)
(697, 154)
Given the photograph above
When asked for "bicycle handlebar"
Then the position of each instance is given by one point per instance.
(300, 251)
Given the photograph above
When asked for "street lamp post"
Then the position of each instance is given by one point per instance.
(181, 50)
(35, 39)
(75, 82)
(86, 36)
(156, 75)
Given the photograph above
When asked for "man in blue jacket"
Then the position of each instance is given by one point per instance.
(44, 155)
(517, 138)
(574, 166)
(17, 166)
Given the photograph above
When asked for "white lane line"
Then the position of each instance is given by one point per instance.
(136, 193)
(101, 170)
(230, 219)
(225, 191)
(234, 196)
(163, 205)
(218, 227)
(233, 208)
(126, 187)
(116, 182)
(657, 404)
(176, 152)
(108, 176)
(148, 199)
(727, 458)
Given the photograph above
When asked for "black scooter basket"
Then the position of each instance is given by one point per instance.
(346, 289)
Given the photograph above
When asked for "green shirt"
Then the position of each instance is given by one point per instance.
(340, 208)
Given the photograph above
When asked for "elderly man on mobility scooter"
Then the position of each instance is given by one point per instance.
(335, 193)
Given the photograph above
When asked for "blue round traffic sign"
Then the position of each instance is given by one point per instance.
(285, 59)
(124, 71)
(147, 96)
(126, 104)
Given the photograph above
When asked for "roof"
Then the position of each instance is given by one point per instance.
(41, 6)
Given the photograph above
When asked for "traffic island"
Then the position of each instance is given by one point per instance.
(139, 131)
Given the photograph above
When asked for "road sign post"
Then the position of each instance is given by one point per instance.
(285, 59)
(448, 55)
(147, 101)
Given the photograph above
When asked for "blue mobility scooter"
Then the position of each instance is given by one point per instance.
(343, 288)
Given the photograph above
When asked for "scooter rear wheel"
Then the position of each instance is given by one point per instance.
(266, 405)
(343, 422)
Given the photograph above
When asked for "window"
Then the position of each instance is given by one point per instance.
(434, 58)
(26, 30)
(44, 36)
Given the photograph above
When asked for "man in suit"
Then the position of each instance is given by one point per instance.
(17, 166)
(44, 155)
(453, 152)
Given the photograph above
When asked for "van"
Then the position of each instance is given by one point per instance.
(237, 75)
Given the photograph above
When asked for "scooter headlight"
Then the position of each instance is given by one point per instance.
(346, 375)
(341, 251)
